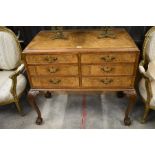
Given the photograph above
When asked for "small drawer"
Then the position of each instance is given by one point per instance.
(55, 82)
(108, 57)
(63, 70)
(107, 82)
(51, 59)
(107, 69)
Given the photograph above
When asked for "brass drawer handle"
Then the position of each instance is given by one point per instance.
(106, 81)
(51, 59)
(107, 69)
(108, 58)
(55, 81)
(53, 70)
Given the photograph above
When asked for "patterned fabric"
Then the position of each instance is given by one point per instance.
(150, 47)
(9, 52)
(6, 83)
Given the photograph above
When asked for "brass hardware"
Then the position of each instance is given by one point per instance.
(53, 70)
(106, 33)
(58, 33)
(55, 81)
(51, 59)
(107, 69)
(108, 58)
(106, 81)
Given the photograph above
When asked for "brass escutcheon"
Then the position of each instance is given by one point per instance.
(55, 81)
(51, 59)
(53, 70)
(108, 58)
(107, 69)
(106, 81)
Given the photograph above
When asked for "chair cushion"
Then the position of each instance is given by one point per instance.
(9, 51)
(6, 83)
(4, 75)
(142, 90)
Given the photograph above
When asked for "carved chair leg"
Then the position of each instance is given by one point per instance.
(48, 94)
(146, 111)
(132, 100)
(19, 108)
(31, 97)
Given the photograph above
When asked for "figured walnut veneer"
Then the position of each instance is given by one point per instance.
(82, 62)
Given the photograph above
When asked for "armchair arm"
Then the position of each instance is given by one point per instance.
(13, 77)
(142, 70)
(147, 82)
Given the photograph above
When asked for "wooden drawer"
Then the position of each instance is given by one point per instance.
(66, 70)
(55, 82)
(108, 82)
(51, 59)
(107, 69)
(108, 57)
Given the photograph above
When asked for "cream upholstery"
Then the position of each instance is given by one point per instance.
(150, 47)
(150, 73)
(9, 51)
(6, 83)
(151, 70)
(147, 83)
(12, 82)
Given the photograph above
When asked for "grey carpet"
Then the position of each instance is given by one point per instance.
(65, 112)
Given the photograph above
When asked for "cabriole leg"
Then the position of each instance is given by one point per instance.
(132, 100)
(31, 97)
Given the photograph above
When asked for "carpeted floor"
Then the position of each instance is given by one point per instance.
(68, 112)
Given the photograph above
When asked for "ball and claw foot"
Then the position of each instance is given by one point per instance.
(127, 121)
(39, 121)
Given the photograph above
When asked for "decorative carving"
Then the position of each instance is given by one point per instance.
(58, 33)
(107, 33)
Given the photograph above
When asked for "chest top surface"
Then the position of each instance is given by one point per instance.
(81, 40)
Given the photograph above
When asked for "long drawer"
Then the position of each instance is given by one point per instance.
(108, 82)
(108, 57)
(108, 69)
(55, 82)
(51, 59)
(54, 70)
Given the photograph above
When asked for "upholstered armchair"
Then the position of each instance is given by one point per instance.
(147, 70)
(12, 82)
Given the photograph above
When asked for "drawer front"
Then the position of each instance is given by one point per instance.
(107, 82)
(51, 59)
(55, 82)
(66, 70)
(107, 69)
(108, 57)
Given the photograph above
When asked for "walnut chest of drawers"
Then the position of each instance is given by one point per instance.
(81, 62)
